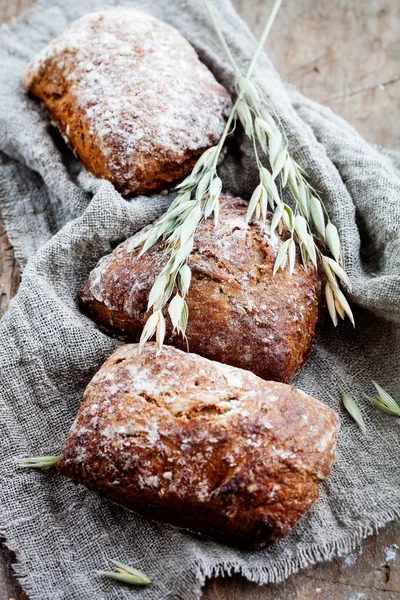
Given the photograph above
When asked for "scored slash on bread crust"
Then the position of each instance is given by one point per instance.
(130, 96)
(201, 445)
(239, 313)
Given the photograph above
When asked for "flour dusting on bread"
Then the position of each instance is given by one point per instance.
(239, 312)
(130, 95)
(201, 445)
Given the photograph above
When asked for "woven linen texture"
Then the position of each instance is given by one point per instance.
(61, 221)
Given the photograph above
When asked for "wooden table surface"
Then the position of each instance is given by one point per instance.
(346, 54)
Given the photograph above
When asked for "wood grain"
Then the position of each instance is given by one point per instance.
(346, 55)
(366, 574)
(9, 270)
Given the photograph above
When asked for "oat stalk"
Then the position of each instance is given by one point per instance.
(354, 411)
(126, 574)
(384, 401)
(283, 172)
(198, 199)
(38, 462)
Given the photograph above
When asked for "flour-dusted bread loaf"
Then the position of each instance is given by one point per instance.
(204, 446)
(239, 313)
(130, 96)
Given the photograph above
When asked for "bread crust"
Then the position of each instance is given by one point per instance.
(131, 98)
(200, 445)
(239, 313)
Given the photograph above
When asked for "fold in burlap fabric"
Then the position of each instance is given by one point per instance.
(48, 351)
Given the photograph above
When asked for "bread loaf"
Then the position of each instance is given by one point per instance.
(201, 445)
(130, 97)
(239, 313)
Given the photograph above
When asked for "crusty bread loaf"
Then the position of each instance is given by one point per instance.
(201, 445)
(239, 313)
(130, 97)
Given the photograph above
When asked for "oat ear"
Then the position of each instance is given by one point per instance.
(38, 462)
(199, 193)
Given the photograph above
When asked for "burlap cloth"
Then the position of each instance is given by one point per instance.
(61, 222)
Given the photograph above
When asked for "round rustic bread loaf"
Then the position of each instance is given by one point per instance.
(130, 97)
(201, 445)
(239, 313)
